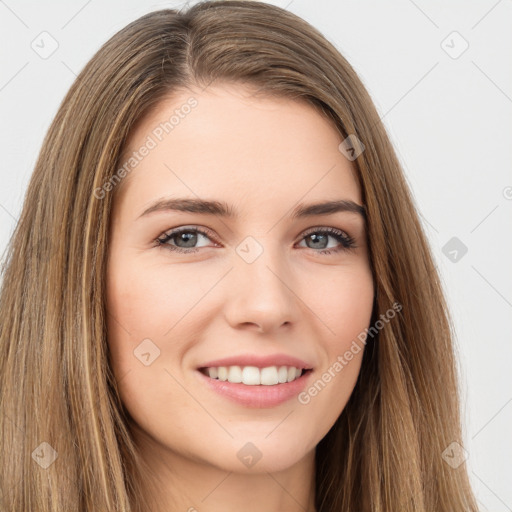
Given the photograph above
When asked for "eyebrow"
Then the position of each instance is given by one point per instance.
(222, 209)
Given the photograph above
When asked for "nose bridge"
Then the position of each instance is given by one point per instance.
(261, 262)
(262, 293)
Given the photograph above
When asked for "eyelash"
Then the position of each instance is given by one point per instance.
(346, 241)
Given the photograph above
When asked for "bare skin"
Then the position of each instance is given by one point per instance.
(262, 157)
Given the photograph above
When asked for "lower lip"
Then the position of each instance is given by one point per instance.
(259, 396)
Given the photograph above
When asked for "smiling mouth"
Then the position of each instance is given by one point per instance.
(254, 376)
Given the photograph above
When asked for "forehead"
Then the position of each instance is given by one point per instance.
(228, 141)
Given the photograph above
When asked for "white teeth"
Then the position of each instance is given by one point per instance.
(282, 374)
(235, 374)
(253, 376)
(269, 376)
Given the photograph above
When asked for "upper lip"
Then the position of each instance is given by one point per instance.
(259, 361)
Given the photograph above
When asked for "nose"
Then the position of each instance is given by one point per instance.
(261, 294)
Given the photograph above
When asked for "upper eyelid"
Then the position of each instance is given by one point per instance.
(200, 229)
(323, 228)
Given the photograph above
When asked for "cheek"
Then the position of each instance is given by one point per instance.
(135, 314)
(345, 307)
(345, 304)
(142, 306)
(150, 317)
(145, 301)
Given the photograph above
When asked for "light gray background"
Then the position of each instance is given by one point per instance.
(448, 115)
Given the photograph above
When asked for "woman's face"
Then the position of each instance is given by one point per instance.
(264, 286)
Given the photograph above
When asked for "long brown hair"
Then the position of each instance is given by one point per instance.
(64, 439)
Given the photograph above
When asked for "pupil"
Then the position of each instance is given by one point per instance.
(190, 237)
(316, 237)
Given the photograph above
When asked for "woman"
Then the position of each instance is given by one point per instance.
(219, 294)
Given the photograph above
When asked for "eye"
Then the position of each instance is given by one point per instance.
(320, 237)
(184, 239)
(186, 236)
